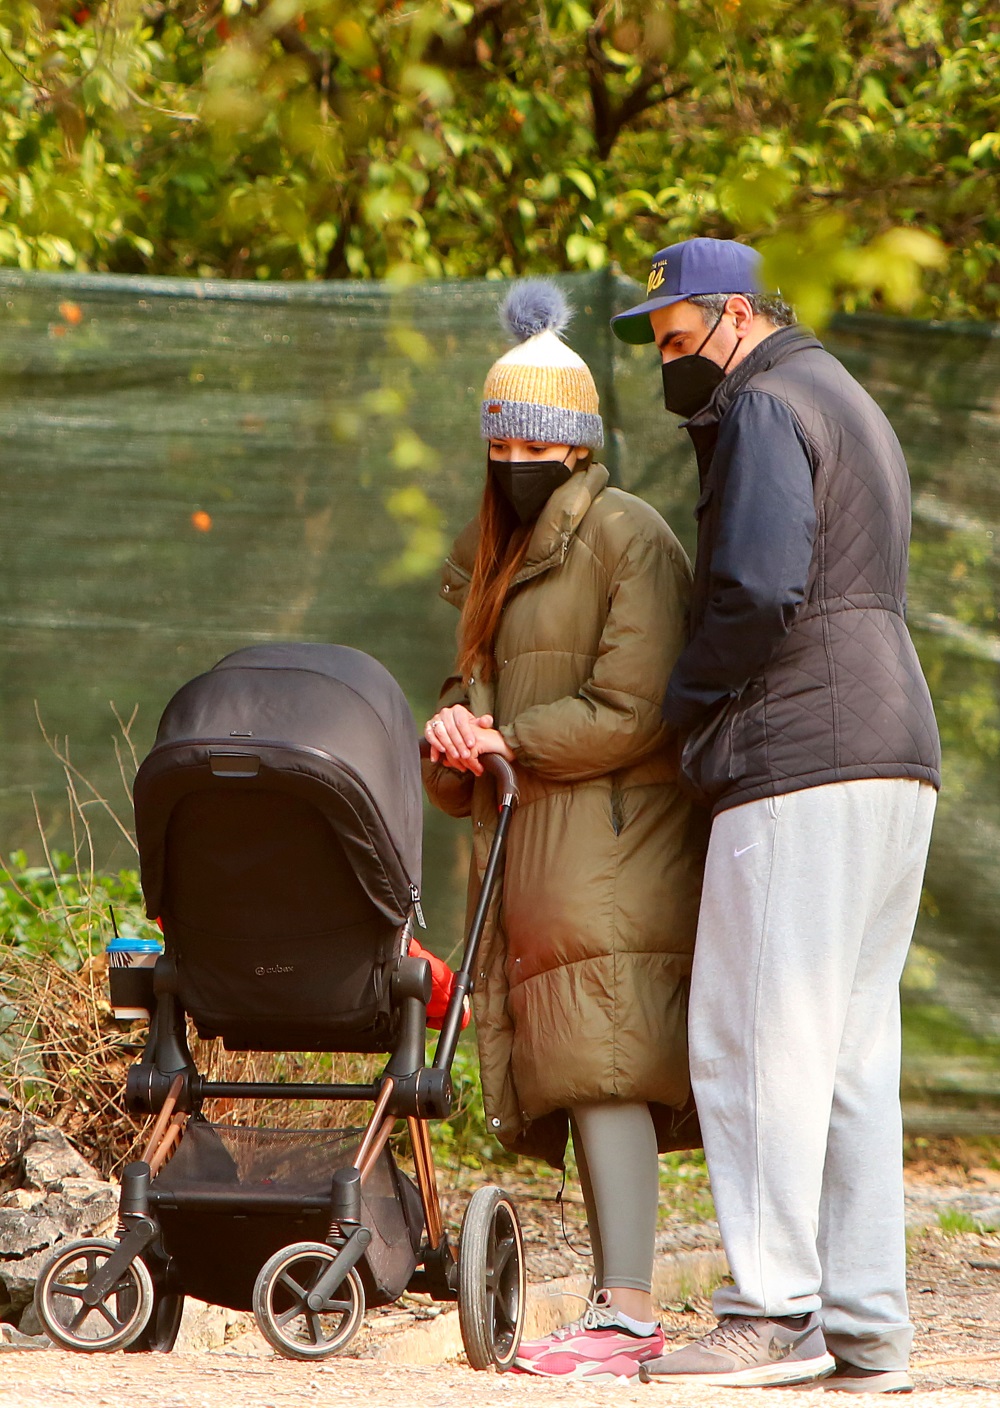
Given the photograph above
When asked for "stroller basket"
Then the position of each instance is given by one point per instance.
(277, 1182)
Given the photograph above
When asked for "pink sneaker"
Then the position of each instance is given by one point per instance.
(597, 1345)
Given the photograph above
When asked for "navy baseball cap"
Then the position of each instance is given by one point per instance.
(692, 267)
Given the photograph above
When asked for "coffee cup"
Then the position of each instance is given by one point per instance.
(131, 961)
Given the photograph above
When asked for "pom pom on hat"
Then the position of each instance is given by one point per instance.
(541, 389)
(534, 306)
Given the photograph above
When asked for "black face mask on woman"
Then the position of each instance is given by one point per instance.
(528, 484)
(688, 382)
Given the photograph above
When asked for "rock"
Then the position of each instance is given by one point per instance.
(49, 1159)
(251, 1343)
(49, 1194)
(15, 1339)
(210, 1326)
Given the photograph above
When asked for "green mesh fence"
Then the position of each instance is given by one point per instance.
(189, 467)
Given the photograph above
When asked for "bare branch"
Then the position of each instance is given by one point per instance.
(468, 52)
(651, 89)
(96, 798)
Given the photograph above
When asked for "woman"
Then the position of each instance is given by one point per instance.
(573, 600)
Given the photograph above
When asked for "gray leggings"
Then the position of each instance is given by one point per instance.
(615, 1146)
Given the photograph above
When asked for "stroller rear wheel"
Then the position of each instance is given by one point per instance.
(491, 1280)
(161, 1332)
(115, 1321)
(282, 1312)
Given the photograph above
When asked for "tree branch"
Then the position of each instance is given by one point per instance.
(650, 91)
(292, 42)
(493, 14)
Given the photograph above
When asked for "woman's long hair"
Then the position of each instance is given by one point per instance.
(503, 544)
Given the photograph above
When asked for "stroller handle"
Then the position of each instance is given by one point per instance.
(463, 981)
(499, 767)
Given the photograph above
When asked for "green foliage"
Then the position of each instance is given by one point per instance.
(953, 1223)
(930, 1029)
(58, 912)
(856, 143)
(685, 1191)
(463, 1139)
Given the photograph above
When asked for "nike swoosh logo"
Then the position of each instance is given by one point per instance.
(744, 849)
(777, 1350)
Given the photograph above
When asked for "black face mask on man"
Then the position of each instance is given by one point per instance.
(688, 382)
(528, 484)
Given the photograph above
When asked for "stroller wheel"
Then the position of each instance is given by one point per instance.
(161, 1332)
(281, 1310)
(491, 1280)
(115, 1321)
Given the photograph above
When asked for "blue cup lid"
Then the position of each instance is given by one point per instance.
(129, 943)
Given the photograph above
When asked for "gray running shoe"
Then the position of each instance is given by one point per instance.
(746, 1351)
(851, 1378)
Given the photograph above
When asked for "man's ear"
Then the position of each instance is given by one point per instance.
(742, 314)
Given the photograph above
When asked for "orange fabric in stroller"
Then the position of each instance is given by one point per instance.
(442, 982)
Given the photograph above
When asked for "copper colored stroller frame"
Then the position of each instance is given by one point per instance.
(278, 818)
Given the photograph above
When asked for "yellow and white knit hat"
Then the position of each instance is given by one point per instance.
(540, 389)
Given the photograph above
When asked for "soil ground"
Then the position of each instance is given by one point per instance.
(952, 1211)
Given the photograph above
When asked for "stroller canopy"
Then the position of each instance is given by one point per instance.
(326, 715)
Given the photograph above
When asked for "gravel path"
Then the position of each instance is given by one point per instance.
(33, 1380)
(955, 1303)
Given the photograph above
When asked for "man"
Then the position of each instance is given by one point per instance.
(805, 723)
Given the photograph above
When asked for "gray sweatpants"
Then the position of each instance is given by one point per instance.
(807, 911)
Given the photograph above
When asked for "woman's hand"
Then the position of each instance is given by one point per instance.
(452, 736)
(458, 737)
(491, 740)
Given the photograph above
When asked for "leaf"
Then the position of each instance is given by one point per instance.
(753, 197)
(583, 249)
(988, 143)
(353, 44)
(582, 181)
(873, 96)
(429, 84)
(409, 452)
(413, 345)
(382, 206)
(922, 249)
(385, 401)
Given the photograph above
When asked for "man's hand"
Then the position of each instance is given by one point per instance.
(458, 738)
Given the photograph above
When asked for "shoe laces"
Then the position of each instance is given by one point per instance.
(736, 1332)
(600, 1314)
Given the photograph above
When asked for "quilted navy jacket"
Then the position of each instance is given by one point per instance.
(799, 669)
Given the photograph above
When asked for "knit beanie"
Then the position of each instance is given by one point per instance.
(540, 389)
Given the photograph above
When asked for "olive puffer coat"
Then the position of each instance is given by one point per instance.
(581, 987)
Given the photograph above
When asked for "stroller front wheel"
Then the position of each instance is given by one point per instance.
(117, 1319)
(491, 1279)
(282, 1311)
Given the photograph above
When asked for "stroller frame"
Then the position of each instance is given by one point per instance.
(308, 1299)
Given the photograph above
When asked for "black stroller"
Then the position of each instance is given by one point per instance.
(278, 818)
